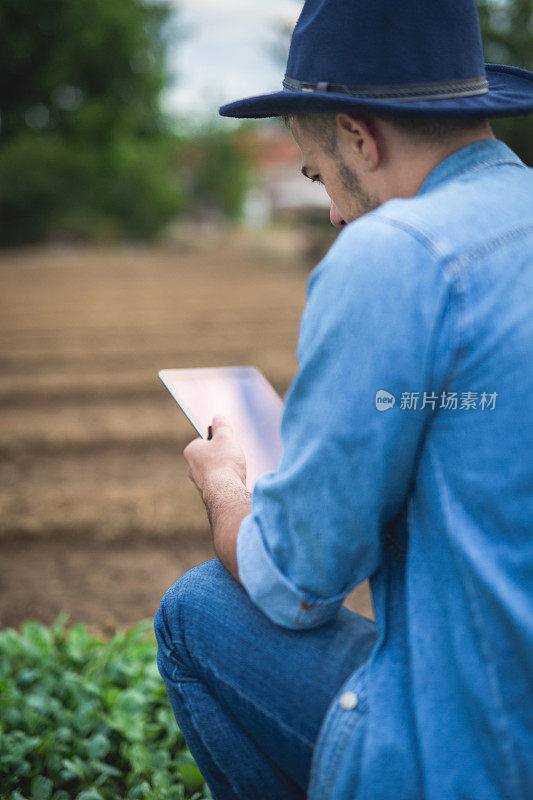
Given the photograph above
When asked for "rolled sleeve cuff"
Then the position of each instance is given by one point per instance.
(269, 589)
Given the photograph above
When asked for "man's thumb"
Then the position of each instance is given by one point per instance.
(219, 423)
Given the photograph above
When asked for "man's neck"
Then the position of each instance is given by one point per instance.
(411, 164)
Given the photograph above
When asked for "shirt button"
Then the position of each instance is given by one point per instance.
(348, 700)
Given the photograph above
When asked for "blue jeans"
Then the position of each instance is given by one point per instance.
(250, 696)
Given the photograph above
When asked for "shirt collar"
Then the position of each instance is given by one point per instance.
(474, 156)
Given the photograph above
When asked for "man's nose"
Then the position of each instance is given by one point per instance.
(336, 218)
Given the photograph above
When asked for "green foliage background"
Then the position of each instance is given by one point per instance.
(85, 150)
(83, 719)
(507, 30)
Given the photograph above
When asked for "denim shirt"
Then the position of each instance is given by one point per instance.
(407, 459)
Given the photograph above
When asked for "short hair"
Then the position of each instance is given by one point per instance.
(419, 128)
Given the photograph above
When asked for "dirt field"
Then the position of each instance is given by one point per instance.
(97, 516)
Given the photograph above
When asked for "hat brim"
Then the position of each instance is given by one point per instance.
(510, 92)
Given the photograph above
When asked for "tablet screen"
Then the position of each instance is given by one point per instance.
(245, 397)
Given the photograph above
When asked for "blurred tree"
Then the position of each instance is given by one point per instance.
(51, 188)
(507, 29)
(84, 68)
(85, 150)
(218, 170)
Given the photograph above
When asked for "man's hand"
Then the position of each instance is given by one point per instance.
(217, 467)
(217, 459)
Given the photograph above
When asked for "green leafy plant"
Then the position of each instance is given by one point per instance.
(86, 719)
(86, 149)
(218, 170)
(507, 29)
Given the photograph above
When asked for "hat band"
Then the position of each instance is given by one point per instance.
(436, 90)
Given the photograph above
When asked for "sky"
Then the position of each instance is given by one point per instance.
(227, 52)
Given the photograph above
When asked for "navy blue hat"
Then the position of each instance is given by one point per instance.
(421, 57)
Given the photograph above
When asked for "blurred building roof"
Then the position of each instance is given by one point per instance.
(280, 186)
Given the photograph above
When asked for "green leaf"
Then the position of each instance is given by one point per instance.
(89, 794)
(41, 788)
(159, 759)
(106, 770)
(27, 676)
(10, 643)
(64, 734)
(98, 746)
(78, 642)
(92, 719)
(161, 779)
(58, 625)
(39, 635)
(76, 766)
(130, 702)
(189, 773)
(140, 757)
(191, 776)
(177, 793)
(139, 791)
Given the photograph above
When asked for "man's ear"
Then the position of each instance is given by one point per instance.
(361, 138)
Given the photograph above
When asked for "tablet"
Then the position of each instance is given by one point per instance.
(245, 397)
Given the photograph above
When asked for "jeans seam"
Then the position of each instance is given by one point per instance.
(419, 235)
(463, 258)
(173, 650)
(263, 711)
(503, 238)
(341, 733)
(198, 733)
(457, 310)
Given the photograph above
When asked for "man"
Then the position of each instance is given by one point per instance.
(407, 436)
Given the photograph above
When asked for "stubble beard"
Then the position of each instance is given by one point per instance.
(364, 201)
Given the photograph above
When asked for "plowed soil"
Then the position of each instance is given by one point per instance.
(97, 516)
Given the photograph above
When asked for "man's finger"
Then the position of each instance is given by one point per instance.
(220, 423)
(191, 446)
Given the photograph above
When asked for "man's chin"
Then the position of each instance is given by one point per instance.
(366, 209)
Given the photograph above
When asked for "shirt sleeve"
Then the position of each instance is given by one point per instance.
(378, 318)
